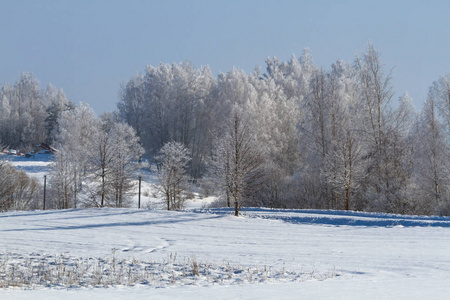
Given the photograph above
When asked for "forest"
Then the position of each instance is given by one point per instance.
(293, 136)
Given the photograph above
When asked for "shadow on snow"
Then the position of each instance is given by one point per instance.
(113, 224)
(336, 218)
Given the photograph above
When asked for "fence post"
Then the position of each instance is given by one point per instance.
(45, 187)
(139, 197)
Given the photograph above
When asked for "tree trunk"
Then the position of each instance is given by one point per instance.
(168, 200)
(103, 191)
(347, 198)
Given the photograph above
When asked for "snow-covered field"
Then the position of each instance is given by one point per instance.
(308, 254)
(36, 166)
(264, 254)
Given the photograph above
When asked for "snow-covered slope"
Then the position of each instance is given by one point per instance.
(374, 260)
(36, 166)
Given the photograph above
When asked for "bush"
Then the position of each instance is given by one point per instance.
(17, 190)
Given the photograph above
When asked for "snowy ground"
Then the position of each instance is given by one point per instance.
(265, 254)
(36, 166)
(377, 260)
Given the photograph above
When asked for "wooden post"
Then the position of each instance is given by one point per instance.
(139, 197)
(45, 187)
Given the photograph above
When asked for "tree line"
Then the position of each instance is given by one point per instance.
(299, 136)
(29, 115)
(293, 136)
(96, 156)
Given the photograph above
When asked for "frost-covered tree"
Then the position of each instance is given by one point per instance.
(324, 138)
(171, 103)
(127, 155)
(292, 76)
(388, 156)
(23, 113)
(56, 103)
(6, 132)
(275, 118)
(101, 155)
(131, 105)
(30, 109)
(172, 164)
(343, 165)
(238, 161)
(114, 160)
(440, 91)
(62, 181)
(316, 135)
(97, 157)
(431, 164)
(74, 139)
(28, 114)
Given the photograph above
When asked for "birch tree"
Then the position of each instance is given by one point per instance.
(388, 154)
(432, 133)
(62, 180)
(74, 140)
(127, 156)
(238, 160)
(172, 164)
(343, 164)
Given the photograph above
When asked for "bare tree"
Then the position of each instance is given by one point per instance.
(127, 155)
(6, 185)
(388, 152)
(440, 91)
(62, 180)
(173, 159)
(238, 160)
(17, 190)
(431, 158)
(75, 138)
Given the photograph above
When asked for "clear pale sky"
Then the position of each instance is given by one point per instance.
(89, 48)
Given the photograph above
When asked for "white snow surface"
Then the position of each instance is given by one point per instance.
(310, 254)
(377, 256)
(36, 166)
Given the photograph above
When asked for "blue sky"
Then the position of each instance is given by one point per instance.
(89, 48)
